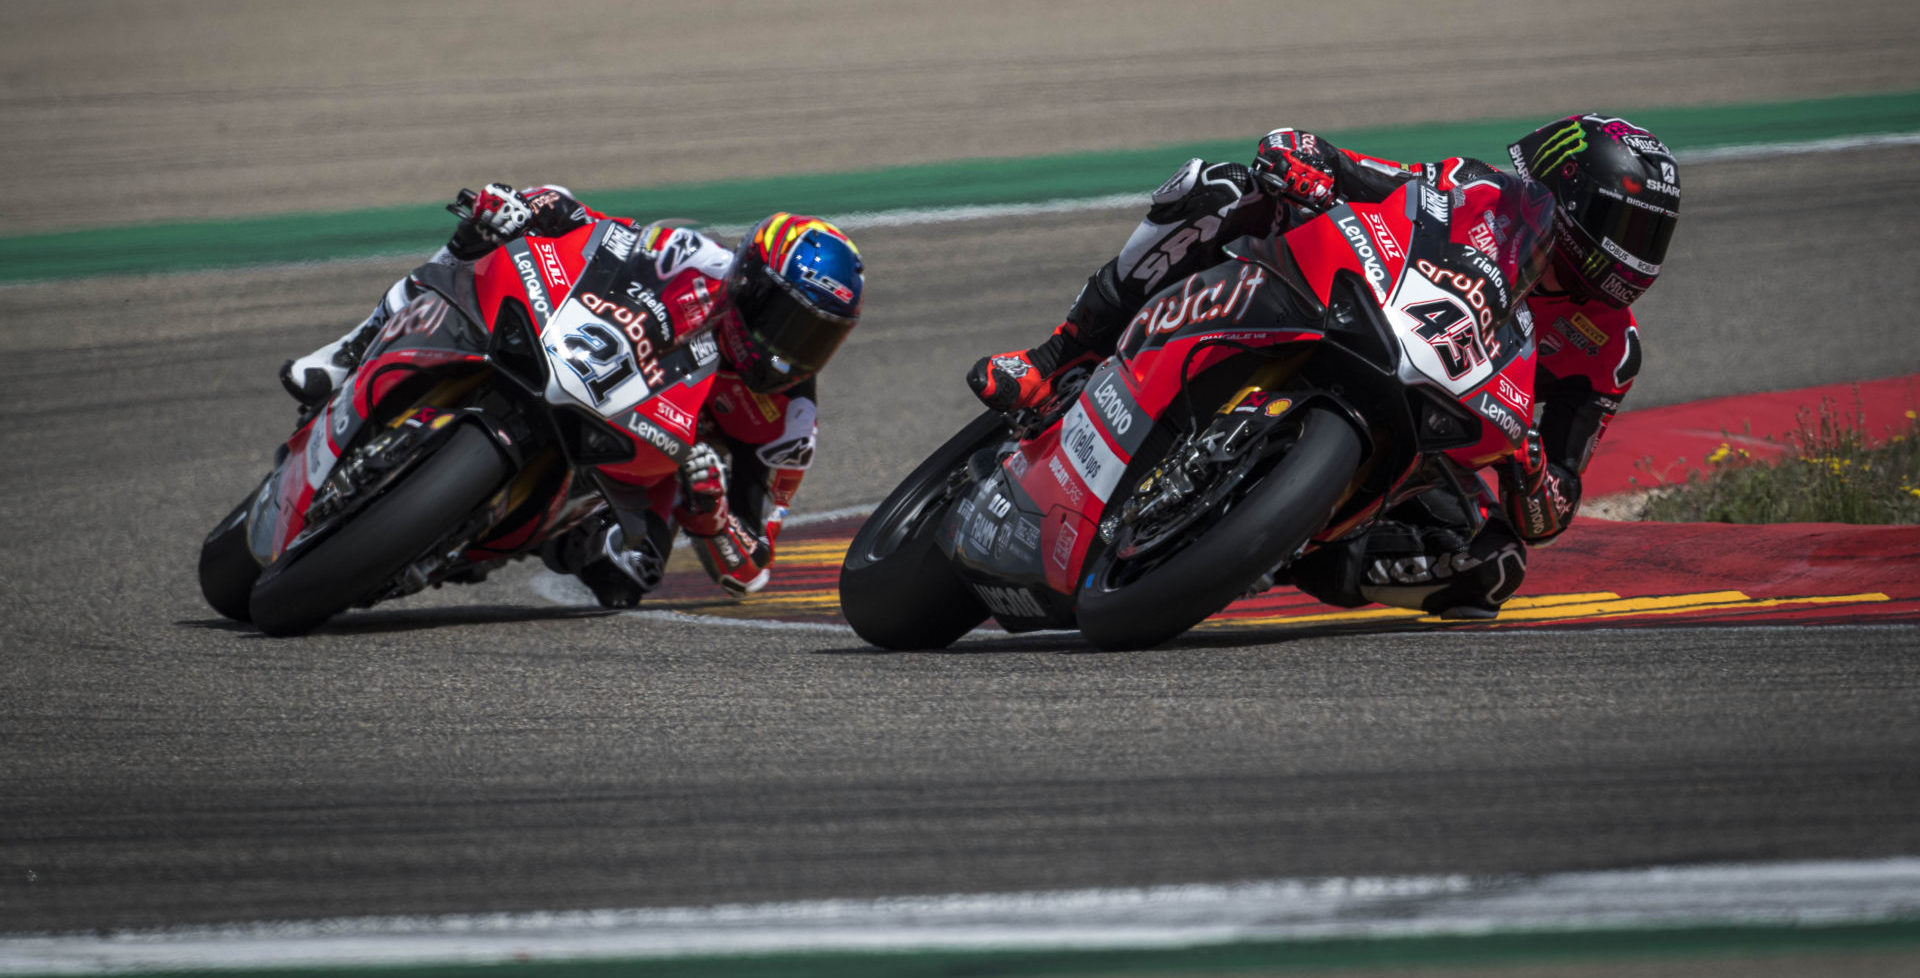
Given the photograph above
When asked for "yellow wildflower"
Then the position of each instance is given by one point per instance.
(1719, 454)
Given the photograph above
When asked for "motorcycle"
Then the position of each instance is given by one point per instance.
(489, 415)
(1276, 402)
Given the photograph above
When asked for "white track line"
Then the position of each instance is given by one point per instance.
(1776, 894)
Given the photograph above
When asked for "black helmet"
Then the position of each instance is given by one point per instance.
(1617, 193)
(796, 284)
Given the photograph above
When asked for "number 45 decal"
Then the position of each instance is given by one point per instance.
(1452, 332)
(599, 356)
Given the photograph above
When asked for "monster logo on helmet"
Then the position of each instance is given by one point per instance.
(1617, 198)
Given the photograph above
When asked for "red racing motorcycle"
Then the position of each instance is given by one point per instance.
(486, 417)
(1280, 400)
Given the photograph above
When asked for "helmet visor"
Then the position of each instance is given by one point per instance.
(785, 327)
(1632, 231)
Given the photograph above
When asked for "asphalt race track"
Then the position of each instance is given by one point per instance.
(484, 748)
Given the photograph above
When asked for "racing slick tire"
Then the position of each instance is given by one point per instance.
(1281, 511)
(897, 589)
(382, 539)
(227, 566)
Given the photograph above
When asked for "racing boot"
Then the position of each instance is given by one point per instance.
(1019, 379)
(598, 554)
(313, 378)
(1435, 569)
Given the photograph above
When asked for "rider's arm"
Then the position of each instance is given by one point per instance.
(770, 441)
(1589, 356)
(548, 210)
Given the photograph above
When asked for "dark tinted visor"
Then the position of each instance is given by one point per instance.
(1639, 230)
(783, 326)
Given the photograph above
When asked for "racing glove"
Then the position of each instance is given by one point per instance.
(1538, 496)
(489, 219)
(1296, 165)
(702, 509)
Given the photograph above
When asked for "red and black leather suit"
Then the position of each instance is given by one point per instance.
(1421, 555)
(769, 438)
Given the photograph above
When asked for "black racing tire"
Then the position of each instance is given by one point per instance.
(1280, 512)
(897, 589)
(227, 566)
(382, 539)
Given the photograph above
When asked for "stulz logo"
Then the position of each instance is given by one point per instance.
(550, 264)
(1388, 245)
(1009, 602)
(1369, 259)
(674, 415)
(536, 293)
(1113, 408)
(1512, 394)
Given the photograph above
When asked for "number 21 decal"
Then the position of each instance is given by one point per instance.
(599, 356)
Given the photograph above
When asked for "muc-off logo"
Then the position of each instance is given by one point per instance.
(530, 277)
(1113, 408)
(1616, 287)
(1369, 259)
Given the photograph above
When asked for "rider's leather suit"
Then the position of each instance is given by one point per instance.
(769, 438)
(1420, 555)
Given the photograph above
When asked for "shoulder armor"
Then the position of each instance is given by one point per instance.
(1183, 180)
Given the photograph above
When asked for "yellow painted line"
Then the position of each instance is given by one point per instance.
(1376, 614)
(1870, 597)
(1666, 603)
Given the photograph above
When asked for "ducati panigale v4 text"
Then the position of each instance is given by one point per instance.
(486, 417)
(1277, 401)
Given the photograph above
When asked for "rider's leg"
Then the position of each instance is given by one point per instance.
(314, 377)
(618, 553)
(1420, 562)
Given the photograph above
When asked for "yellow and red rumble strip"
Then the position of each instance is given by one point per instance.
(1598, 574)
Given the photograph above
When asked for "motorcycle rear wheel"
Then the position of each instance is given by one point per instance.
(1270, 521)
(227, 567)
(381, 540)
(897, 589)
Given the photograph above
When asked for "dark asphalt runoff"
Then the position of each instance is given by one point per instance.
(480, 749)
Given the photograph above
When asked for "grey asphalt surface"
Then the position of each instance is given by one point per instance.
(479, 749)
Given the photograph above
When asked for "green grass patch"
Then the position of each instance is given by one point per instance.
(1830, 470)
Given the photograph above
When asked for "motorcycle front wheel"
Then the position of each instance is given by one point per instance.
(897, 589)
(1128, 606)
(381, 540)
(227, 567)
